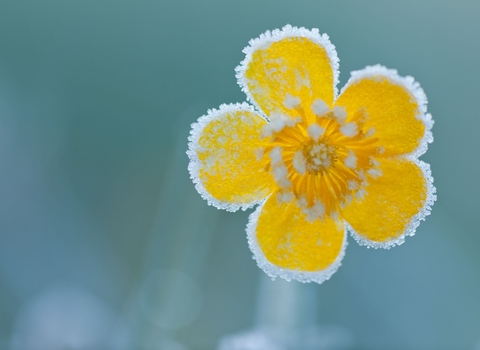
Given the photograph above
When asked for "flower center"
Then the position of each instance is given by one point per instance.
(319, 156)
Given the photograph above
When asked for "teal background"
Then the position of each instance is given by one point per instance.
(96, 205)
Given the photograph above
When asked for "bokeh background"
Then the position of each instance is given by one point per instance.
(104, 242)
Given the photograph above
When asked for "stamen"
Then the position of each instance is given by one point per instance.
(279, 170)
(299, 162)
(291, 101)
(278, 121)
(315, 131)
(349, 129)
(351, 160)
(319, 107)
(340, 114)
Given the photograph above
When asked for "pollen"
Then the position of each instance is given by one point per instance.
(319, 156)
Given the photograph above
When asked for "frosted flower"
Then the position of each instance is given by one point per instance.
(318, 164)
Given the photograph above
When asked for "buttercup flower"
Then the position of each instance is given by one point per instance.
(319, 163)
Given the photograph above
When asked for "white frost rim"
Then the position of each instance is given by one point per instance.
(411, 86)
(195, 164)
(269, 37)
(274, 271)
(416, 219)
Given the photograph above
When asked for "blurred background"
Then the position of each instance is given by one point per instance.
(104, 242)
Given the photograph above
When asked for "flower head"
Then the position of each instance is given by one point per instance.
(319, 163)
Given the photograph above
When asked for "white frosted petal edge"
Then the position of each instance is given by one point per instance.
(415, 90)
(274, 271)
(416, 219)
(288, 31)
(195, 164)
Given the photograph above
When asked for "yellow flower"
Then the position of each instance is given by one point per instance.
(318, 164)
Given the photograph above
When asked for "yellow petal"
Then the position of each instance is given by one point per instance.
(395, 109)
(393, 205)
(226, 161)
(286, 70)
(287, 245)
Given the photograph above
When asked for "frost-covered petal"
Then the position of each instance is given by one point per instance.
(392, 204)
(226, 157)
(395, 107)
(287, 70)
(288, 245)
